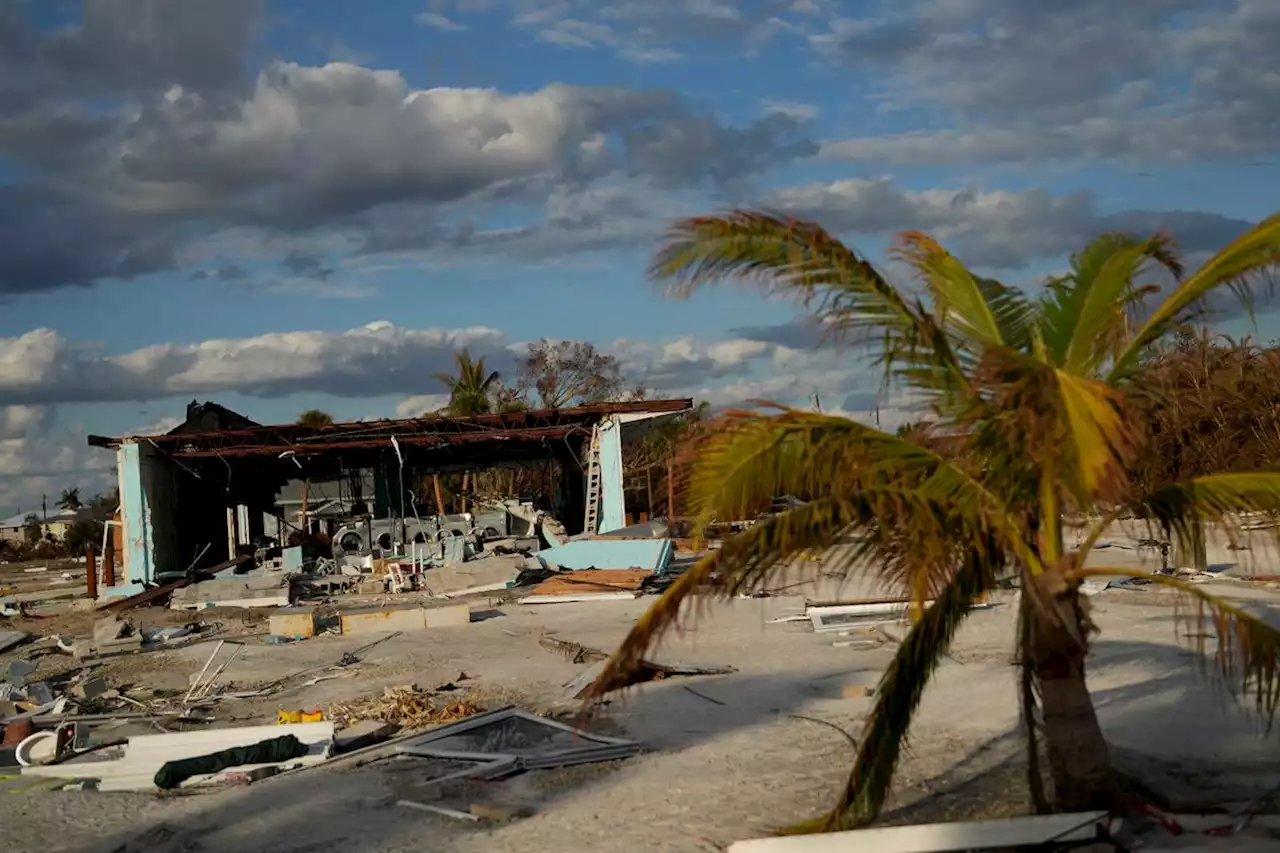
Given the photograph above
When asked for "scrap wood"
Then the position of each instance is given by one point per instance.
(407, 706)
(578, 653)
(573, 652)
(587, 581)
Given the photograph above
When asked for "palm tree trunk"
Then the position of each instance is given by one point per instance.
(435, 481)
(1079, 763)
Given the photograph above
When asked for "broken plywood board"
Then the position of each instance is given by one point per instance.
(941, 837)
(652, 555)
(593, 580)
(589, 585)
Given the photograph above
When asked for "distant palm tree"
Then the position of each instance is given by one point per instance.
(70, 499)
(472, 390)
(315, 418)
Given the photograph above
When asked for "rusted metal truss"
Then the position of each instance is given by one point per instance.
(498, 430)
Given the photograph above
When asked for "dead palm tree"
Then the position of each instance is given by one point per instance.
(1027, 400)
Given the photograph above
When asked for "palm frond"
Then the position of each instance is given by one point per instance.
(959, 301)
(1103, 441)
(1218, 499)
(899, 692)
(761, 555)
(1248, 648)
(1015, 314)
(1086, 313)
(798, 258)
(1251, 254)
(1103, 302)
(744, 459)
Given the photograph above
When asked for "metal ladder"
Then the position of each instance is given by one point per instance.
(592, 516)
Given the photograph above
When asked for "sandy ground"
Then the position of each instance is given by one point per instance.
(750, 753)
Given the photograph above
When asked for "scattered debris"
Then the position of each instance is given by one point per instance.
(572, 652)
(9, 639)
(440, 810)
(200, 685)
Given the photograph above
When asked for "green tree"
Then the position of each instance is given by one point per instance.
(70, 499)
(1030, 402)
(32, 529)
(315, 418)
(472, 389)
(82, 536)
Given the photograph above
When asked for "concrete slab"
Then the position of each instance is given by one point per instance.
(294, 622)
(411, 618)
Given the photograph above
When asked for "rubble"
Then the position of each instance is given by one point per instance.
(407, 706)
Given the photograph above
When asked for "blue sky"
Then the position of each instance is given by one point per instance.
(280, 205)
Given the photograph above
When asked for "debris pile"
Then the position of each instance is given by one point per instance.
(407, 706)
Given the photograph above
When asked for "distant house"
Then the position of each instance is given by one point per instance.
(11, 527)
(55, 524)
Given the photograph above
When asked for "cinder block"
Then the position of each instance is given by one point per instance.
(448, 616)
(294, 622)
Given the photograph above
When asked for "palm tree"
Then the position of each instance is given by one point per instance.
(70, 499)
(471, 391)
(315, 418)
(1027, 400)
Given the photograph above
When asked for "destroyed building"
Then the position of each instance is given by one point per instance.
(200, 494)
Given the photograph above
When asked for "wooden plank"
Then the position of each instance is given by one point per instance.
(939, 837)
(590, 596)
(590, 580)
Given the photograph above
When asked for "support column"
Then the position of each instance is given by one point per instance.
(613, 509)
(135, 516)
